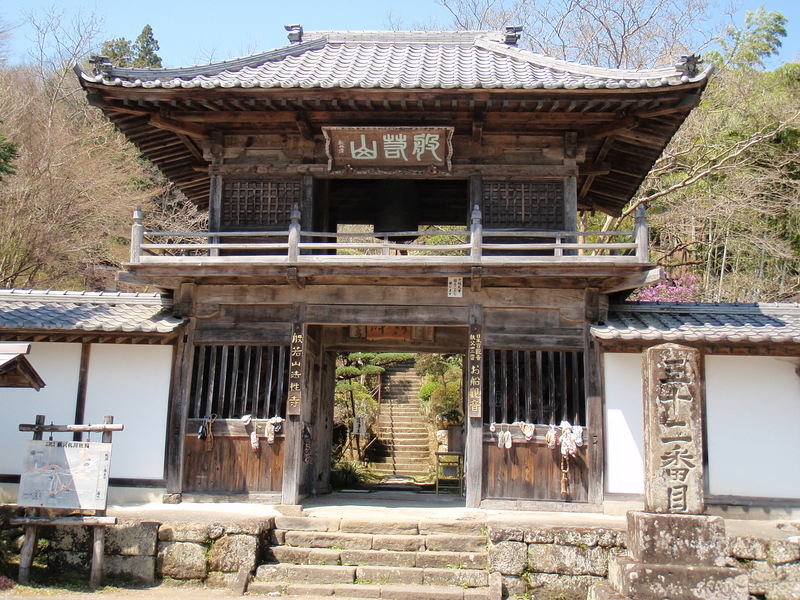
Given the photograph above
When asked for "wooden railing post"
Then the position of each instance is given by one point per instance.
(294, 234)
(642, 234)
(137, 234)
(476, 235)
(558, 251)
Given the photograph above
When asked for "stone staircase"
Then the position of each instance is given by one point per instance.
(352, 558)
(402, 430)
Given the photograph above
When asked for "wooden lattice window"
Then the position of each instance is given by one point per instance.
(534, 386)
(232, 381)
(523, 204)
(258, 203)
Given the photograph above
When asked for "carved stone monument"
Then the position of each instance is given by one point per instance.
(676, 552)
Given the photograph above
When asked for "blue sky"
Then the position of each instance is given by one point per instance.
(200, 31)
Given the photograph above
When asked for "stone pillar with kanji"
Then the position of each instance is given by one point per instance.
(675, 551)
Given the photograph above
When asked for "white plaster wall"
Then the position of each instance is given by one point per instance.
(131, 383)
(623, 394)
(753, 409)
(58, 365)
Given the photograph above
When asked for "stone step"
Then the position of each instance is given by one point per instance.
(446, 542)
(407, 452)
(345, 591)
(383, 558)
(370, 574)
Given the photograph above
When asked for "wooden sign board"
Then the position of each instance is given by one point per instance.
(390, 332)
(388, 148)
(294, 400)
(475, 373)
(59, 474)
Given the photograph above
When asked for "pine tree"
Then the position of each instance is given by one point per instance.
(8, 152)
(145, 49)
(141, 53)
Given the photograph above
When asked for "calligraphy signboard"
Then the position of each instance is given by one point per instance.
(388, 147)
(673, 432)
(475, 372)
(60, 474)
(294, 400)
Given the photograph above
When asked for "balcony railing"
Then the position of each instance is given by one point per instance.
(474, 245)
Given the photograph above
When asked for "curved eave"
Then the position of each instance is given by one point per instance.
(141, 114)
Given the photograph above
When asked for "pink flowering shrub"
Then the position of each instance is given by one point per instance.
(682, 289)
(6, 583)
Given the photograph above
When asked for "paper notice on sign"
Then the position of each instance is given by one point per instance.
(59, 474)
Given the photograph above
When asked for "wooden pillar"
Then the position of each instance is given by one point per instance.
(571, 183)
(180, 389)
(474, 391)
(83, 381)
(293, 440)
(595, 408)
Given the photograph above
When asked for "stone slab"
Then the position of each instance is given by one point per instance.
(677, 582)
(456, 543)
(406, 543)
(139, 569)
(379, 527)
(782, 551)
(550, 586)
(132, 538)
(356, 590)
(568, 560)
(306, 573)
(747, 548)
(458, 577)
(234, 552)
(289, 554)
(306, 523)
(477, 594)
(456, 527)
(677, 539)
(181, 560)
(324, 556)
(673, 430)
(416, 592)
(317, 539)
(387, 558)
(447, 560)
(383, 575)
(508, 558)
(603, 591)
(183, 532)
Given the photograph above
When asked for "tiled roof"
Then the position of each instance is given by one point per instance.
(712, 323)
(115, 312)
(428, 60)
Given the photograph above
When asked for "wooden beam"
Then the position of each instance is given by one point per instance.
(595, 407)
(293, 426)
(83, 380)
(304, 125)
(193, 131)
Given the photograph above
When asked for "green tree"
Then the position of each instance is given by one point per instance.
(746, 48)
(8, 152)
(140, 53)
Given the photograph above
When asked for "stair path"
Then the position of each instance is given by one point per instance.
(352, 558)
(402, 429)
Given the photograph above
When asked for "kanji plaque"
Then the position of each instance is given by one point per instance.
(388, 147)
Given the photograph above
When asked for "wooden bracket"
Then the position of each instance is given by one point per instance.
(475, 279)
(570, 144)
(477, 126)
(193, 131)
(292, 278)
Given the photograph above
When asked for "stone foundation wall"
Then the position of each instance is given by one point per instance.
(562, 563)
(143, 551)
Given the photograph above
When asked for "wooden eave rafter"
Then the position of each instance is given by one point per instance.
(93, 337)
(636, 123)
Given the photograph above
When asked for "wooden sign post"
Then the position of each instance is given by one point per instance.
(98, 521)
(474, 417)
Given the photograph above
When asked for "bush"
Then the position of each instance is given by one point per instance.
(348, 474)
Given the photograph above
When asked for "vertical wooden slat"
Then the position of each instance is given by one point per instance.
(539, 389)
(280, 396)
(212, 376)
(257, 411)
(515, 385)
(489, 359)
(562, 356)
(235, 404)
(528, 390)
(197, 401)
(246, 368)
(268, 394)
(551, 400)
(575, 412)
(503, 387)
(222, 395)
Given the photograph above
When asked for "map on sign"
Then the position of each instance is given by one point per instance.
(59, 474)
